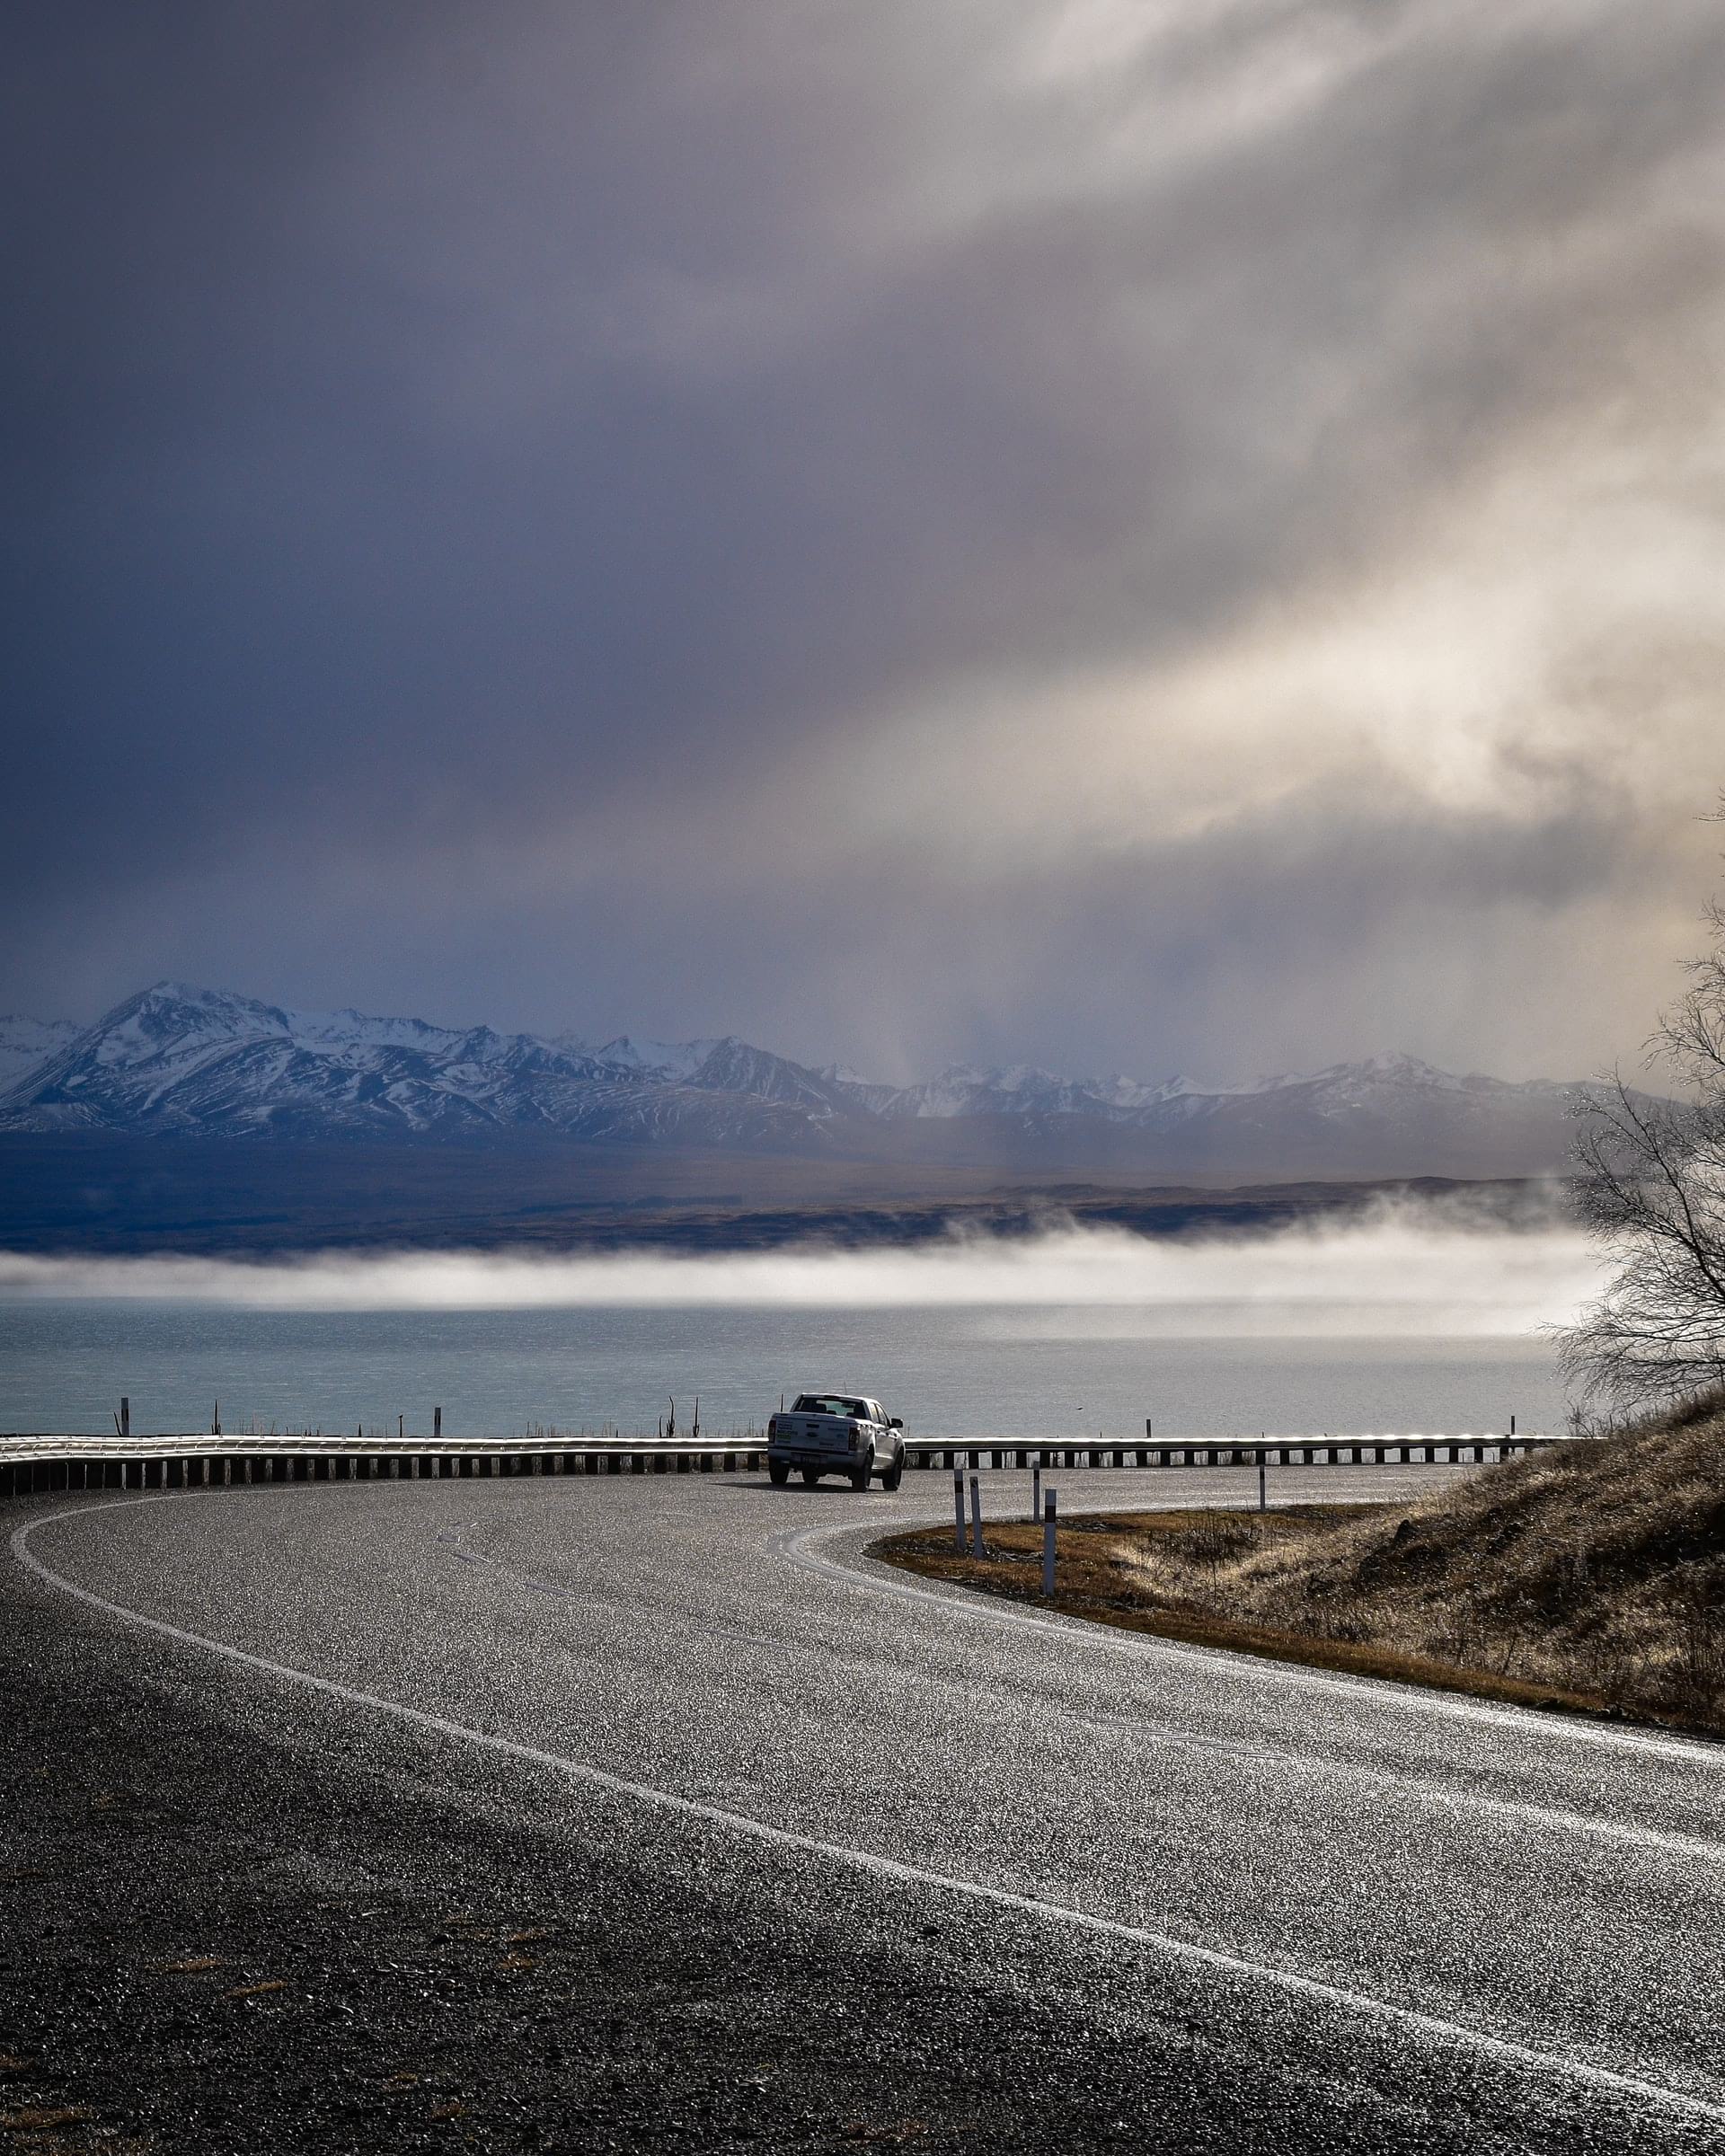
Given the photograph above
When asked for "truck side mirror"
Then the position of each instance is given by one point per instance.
(895, 1423)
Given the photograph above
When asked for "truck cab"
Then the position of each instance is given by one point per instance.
(836, 1434)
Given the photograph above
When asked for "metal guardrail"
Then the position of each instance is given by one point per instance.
(1305, 1451)
(31, 1462)
(166, 1463)
(29, 1445)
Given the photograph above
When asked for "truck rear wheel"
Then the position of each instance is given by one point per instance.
(778, 1472)
(894, 1474)
(860, 1472)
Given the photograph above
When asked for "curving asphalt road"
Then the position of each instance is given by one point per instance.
(1361, 1915)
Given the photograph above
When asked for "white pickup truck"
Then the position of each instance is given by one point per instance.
(836, 1434)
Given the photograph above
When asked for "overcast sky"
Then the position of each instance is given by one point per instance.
(1159, 536)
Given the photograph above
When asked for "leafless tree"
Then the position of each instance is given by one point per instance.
(1650, 1185)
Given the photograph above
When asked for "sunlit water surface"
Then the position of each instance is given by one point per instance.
(1037, 1370)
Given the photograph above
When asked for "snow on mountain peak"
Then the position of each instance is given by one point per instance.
(179, 1058)
(678, 1059)
(28, 1043)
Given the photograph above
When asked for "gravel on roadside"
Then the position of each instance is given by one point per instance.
(236, 1915)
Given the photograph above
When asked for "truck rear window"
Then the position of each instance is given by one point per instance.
(825, 1403)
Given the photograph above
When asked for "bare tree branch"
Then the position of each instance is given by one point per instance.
(1649, 1183)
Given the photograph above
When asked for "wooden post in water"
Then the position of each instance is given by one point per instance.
(124, 1414)
(437, 1422)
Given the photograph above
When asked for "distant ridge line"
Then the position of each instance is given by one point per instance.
(180, 1060)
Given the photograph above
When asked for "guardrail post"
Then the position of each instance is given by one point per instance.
(1051, 1507)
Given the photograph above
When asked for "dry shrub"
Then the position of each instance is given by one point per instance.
(1596, 1569)
(1216, 1541)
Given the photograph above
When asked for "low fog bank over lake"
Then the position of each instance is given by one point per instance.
(1392, 1324)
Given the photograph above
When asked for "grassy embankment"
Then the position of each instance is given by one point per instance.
(1589, 1577)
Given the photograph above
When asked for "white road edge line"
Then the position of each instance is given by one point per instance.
(797, 1545)
(1432, 2028)
(1440, 1796)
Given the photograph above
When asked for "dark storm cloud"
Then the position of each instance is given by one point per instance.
(486, 486)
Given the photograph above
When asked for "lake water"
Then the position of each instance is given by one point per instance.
(1406, 1323)
(1036, 1371)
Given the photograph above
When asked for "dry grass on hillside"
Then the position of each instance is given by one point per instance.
(1592, 1574)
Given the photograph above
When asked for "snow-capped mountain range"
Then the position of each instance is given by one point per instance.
(27, 1043)
(194, 1062)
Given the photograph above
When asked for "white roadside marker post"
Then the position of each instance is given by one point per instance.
(976, 1515)
(1263, 1485)
(1035, 1489)
(1050, 1506)
(957, 1510)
